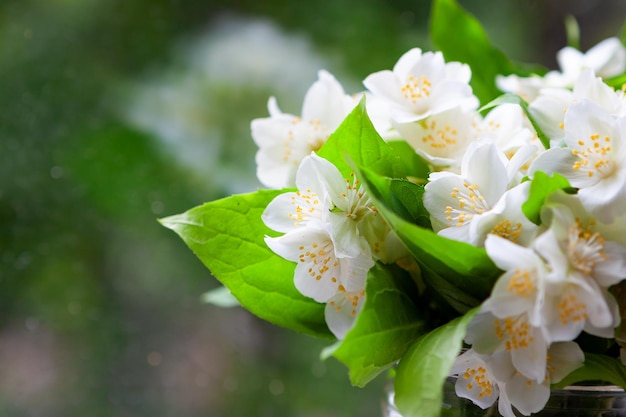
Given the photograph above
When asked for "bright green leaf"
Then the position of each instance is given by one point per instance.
(416, 167)
(425, 367)
(463, 274)
(541, 186)
(227, 236)
(460, 37)
(406, 200)
(357, 143)
(388, 323)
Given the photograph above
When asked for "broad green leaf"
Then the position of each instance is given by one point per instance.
(227, 236)
(541, 186)
(515, 99)
(406, 200)
(463, 274)
(388, 323)
(356, 142)
(460, 37)
(416, 167)
(597, 368)
(425, 367)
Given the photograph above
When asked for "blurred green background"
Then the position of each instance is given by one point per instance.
(114, 113)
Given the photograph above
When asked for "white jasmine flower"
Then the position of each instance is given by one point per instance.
(319, 273)
(563, 358)
(347, 203)
(454, 201)
(588, 243)
(512, 318)
(592, 160)
(507, 126)
(583, 265)
(606, 59)
(442, 138)
(284, 139)
(550, 107)
(422, 84)
(476, 378)
(521, 288)
(574, 301)
(483, 379)
(506, 219)
(514, 334)
(528, 88)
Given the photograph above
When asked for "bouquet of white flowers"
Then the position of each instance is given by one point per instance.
(463, 216)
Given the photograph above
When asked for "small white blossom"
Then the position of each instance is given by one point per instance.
(593, 160)
(334, 234)
(442, 138)
(455, 201)
(606, 59)
(550, 107)
(319, 273)
(582, 267)
(422, 84)
(483, 379)
(284, 139)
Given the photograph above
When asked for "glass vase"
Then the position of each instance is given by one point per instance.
(593, 400)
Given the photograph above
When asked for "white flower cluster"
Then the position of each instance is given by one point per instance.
(556, 274)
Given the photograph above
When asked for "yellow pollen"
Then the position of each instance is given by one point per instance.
(416, 88)
(508, 231)
(521, 284)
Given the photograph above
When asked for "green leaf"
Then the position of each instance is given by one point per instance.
(463, 274)
(425, 367)
(597, 368)
(415, 166)
(227, 236)
(388, 323)
(406, 200)
(357, 143)
(515, 99)
(616, 82)
(460, 37)
(541, 187)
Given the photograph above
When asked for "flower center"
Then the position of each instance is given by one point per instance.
(521, 283)
(585, 248)
(317, 133)
(306, 204)
(357, 202)
(416, 88)
(320, 256)
(470, 202)
(593, 156)
(507, 230)
(438, 138)
(477, 377)
(514, 332)
(571, 308)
